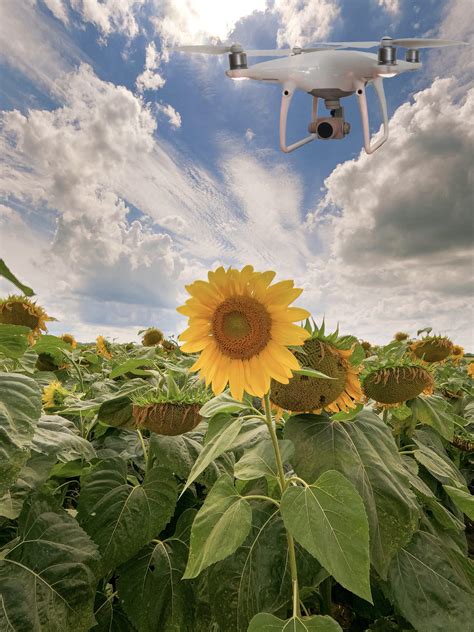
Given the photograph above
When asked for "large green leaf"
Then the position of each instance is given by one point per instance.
(462, 498)
(32, 475)
(222, 439)
(151, 590)
(223, 403)
(328, 518)
(265, 622)
(122, 518)
(53, 346)
(109, 615)
(13, 340)
(441, 468)
(260, 460)
(58, 436)
(220, 526)
(363, 450)
(6, 273)
(256, 577)
(46, 577)
(131, 365)
(432, 411)
(20, 408)
(432, 586)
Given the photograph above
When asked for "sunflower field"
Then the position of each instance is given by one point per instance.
(258, 473)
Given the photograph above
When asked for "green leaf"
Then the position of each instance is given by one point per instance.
(121, 518)
(462, 498)
(313, 373)
(13, 340)
(256, 577)
(220, 526)
(58, 436)
(46, 578)
(432, 585)
(109, 615)
(20, 408)
(223, 403)
(130, 365)
(53, 345)
(442, 470)
(328, 518)
(220, 442)
(6, 273)
(151, 590)
(32, 475)
(363, 450)
(431, 410)
(116, 412)
(351, 414)
(260, 460)
(265, 622)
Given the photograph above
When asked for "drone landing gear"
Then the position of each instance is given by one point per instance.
(287, 95)
(364, 115)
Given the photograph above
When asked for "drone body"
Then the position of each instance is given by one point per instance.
(330, 74)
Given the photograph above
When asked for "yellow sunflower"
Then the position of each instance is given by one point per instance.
(470, 369)
(103, 347)
(432, 349)
(457, 354)
(305, 394)
(152, 337)
(69, 338)
(393, 385)
(20, 310)
(400, 336)
(54, 395)
(242, 326)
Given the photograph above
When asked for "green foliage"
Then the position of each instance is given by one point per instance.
(105, 528)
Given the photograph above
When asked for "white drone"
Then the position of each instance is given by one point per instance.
(327, 73)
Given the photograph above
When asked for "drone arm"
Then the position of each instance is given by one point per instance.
(286, 97)
(378, 86)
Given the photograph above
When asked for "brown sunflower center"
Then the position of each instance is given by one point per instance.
(394, 385)
(302, 393)
(241, 327)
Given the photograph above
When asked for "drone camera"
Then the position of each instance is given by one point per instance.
(329, 128)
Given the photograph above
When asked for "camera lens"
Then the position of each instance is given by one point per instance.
(325, 130)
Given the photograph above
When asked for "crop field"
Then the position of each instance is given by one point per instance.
(252, 474)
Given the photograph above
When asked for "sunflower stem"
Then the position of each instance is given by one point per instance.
(283, 485)
(145, 451)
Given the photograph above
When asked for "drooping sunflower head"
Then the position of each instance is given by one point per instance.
(432, 348)
(20, 310)
(152, 337)
(46, 362)
(169, 346)
(242, 326)
(103, 347)
(366, 346)
(400, 336)
(69, 338)
(330, 355)
(458, 353)
(54, 395)
(394, 384)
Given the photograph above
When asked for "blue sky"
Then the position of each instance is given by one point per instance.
(129, 171)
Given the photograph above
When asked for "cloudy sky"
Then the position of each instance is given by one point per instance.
(128, 171)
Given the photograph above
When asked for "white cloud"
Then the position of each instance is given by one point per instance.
(149, 79)
(174, 117)
(249, 135)
(58, 9)
(195, 21)
(391, 6)
(110, 15)
(305, 21)
(35, 44)
(401, 242)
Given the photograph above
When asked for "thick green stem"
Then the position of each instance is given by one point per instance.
(283, 485)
